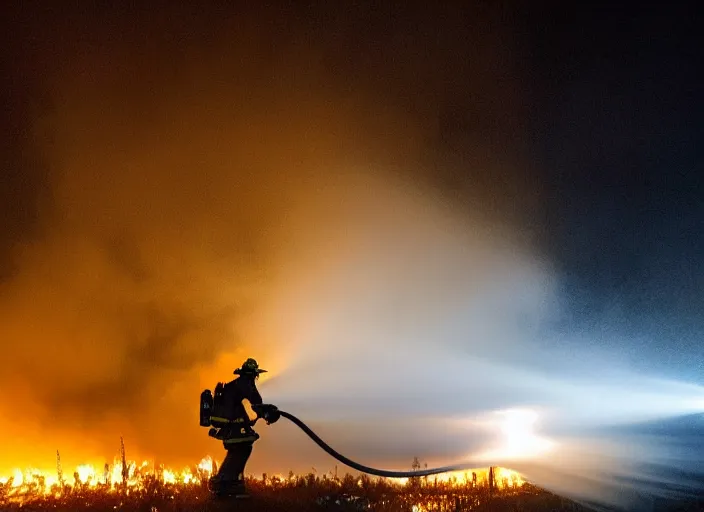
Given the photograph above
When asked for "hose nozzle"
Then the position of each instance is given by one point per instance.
(268, 412)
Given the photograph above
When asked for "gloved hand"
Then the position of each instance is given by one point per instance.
(268, 412)
(272, 415)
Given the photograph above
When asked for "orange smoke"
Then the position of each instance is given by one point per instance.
(181, 188)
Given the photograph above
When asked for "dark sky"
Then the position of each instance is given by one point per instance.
(576, 128)
(609, 97)
(617, 127)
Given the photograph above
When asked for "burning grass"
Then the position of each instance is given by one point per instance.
(134, 486)
(141, 486)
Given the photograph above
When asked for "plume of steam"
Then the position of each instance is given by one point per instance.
(425, 331)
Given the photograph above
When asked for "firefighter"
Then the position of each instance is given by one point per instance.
(232, 425)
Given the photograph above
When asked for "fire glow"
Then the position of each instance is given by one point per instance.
(38, 482)
(520, 441)
(25, 485)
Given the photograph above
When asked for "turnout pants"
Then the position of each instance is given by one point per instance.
(230, 477)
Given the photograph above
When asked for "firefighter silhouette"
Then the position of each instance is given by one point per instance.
(226, 414)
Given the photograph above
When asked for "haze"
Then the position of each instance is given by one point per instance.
(353, 202)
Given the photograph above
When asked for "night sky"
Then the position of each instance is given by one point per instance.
(617, 124)
(154, 157)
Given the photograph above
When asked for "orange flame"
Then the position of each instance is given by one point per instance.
(32, 483)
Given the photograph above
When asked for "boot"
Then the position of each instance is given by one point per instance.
(228, 488)
(239, 490)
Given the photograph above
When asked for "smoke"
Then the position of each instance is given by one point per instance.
(428, 334)
(169, 163)
(201, 188)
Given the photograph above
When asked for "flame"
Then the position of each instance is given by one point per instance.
(503, 478)
(169, 477)
(206, 464)
(37, 482)
(86, 475)
(17, 478)
(24, 485)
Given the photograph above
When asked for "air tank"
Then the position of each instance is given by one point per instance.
(206, 407)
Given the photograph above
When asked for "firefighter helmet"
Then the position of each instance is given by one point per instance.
(249, 367)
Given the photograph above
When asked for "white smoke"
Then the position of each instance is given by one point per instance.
(422, 331)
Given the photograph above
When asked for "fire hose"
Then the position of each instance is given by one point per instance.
(270, 413)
